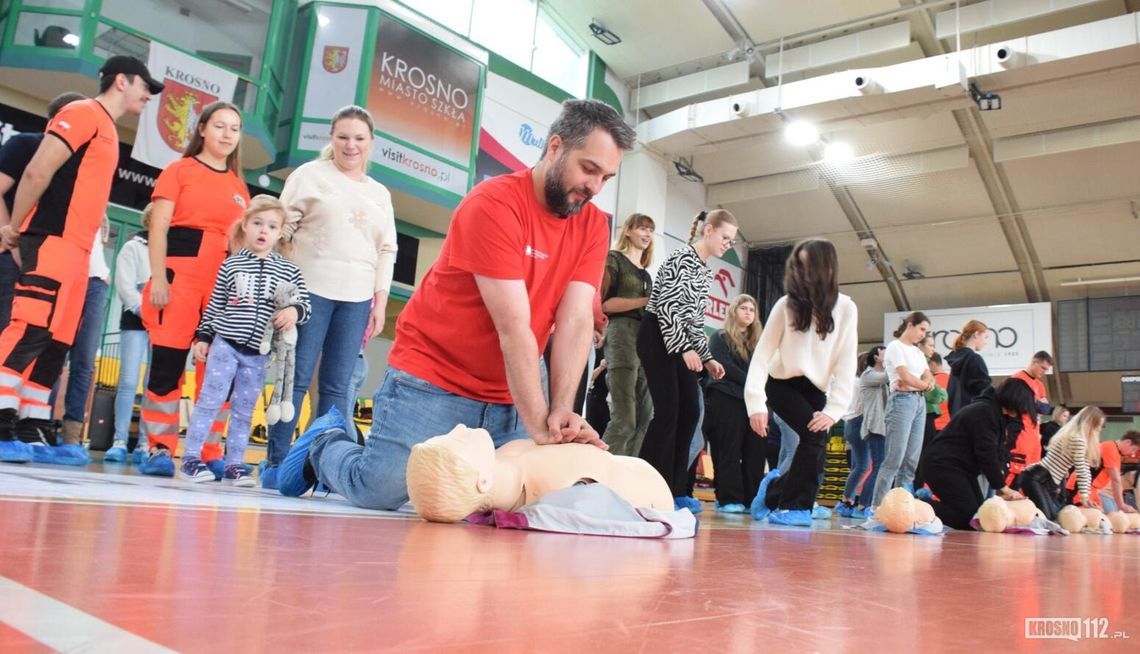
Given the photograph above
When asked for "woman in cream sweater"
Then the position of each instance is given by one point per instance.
(344, 240)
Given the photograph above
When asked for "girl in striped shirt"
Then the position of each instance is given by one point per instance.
(1077, 446)
(230, 336)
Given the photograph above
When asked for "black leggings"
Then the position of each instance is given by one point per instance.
(796, 400)
(1038, 485)
(674, 389)
(959, 496)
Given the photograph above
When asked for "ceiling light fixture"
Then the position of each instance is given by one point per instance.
(801, 133)
(1105, 280)
(602, 34)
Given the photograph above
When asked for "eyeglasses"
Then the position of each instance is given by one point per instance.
(730, 242)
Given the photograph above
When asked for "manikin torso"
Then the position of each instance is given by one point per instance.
(526, 471)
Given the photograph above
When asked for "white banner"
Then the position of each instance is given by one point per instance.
(727, 284)
(334, 61)
(169, 119)
(412, 163)
(1016, 332)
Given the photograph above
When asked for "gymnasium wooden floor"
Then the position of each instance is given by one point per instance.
(103, 559)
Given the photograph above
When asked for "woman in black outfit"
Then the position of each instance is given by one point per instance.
(969, 374)
(973, 444)
(738, 454)
(673, 349)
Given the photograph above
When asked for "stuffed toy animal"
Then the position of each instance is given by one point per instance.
(283, 344)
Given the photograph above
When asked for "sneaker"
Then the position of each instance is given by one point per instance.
(217, 468)
(138, 457)
(237, 474)
(844, 510)
(16, 452)
(269, 477)
(295, 475)
(117, 453)
(192, 469)
(820, 512)
(158, 462)
(859, 514)
(759, 508)
(796, 518)
(731, 507)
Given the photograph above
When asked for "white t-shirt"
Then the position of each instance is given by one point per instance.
(900, 354)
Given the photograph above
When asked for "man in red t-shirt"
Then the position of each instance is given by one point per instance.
(523, 256)
(1027, 450)
(59, 205)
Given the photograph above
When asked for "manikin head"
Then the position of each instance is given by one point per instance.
(900, 512)
(1119, 521)
(1071, 518)
(451, 476)
(995, 515)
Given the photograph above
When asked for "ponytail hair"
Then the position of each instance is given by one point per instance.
(714, 218)
(915, 318)
(969, 330)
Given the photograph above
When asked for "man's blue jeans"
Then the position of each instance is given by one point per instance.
(406, 410)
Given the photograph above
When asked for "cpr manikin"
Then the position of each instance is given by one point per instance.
(901, 513)
(1077, 519)
(996, 515)
(460, 473)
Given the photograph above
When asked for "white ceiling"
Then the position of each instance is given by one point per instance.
(1080, 209)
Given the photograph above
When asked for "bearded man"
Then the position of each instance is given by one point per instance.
(520, 265)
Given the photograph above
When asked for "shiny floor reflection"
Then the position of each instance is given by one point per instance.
(260, 577)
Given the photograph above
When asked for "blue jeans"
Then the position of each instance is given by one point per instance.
(333, 335)
(406, 410)
(9, 272)
(906, 421)
(789, 441)
(81, 356)
(698, 435)
(877, 448)
(134, 349)
(860, 455)
(359, 374)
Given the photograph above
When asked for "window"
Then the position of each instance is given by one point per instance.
(505, 26)
(557, 59)
(455, 15)
(228, 32)
(47, 30)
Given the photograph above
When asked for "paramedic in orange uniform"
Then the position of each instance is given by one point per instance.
(197, 200)
(1027, 450)
(60, 201)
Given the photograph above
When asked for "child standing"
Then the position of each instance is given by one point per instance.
(229, 336)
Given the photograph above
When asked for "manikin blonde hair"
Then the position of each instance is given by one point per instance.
(442, 485)
(1081, 426)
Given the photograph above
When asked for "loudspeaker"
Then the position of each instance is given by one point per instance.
(101, 423)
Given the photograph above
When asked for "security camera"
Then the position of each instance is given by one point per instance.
(864, 84)
(1005, 55)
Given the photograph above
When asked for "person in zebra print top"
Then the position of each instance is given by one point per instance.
(674, 350)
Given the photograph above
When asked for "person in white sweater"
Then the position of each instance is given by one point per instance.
(343, 231)
(132, 270)
(804, 369)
